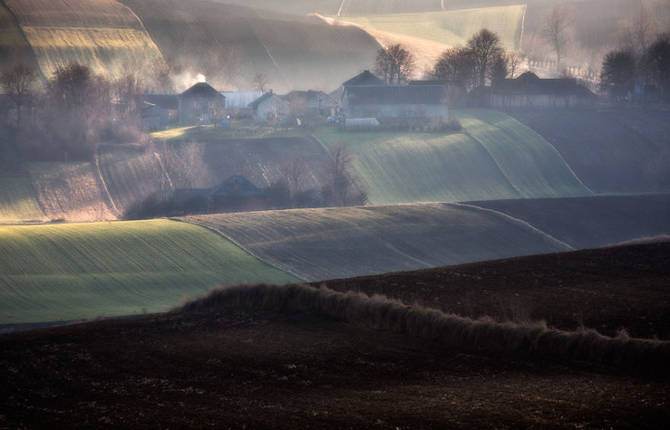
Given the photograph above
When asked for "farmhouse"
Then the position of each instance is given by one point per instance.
(237, 102)
(310, 103)
(201, 104)
(456, 92)
(530, 91)
(270, 108)
(395, 101)
(362, 79)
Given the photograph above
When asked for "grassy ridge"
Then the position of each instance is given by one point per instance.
(103, 34)
(68, 271)
(320, 244)
(531, 164)
(18, 201)
(494, 155)
(452, 27)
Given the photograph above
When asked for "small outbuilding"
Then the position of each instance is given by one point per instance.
(238, 103)
(201, 104)
(270, 108)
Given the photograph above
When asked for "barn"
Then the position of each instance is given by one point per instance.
(201, 104)
(395, 102)
(530, 91)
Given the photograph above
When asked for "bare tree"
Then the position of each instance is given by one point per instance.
(18, 83)
(656, 64)
(458, 65)
(617, 77)
(556, 31)
(293, 172)
(394, 63)
(260, 82)
(499, 69)
(341, 189)
(513, 62)
(643, 30)
(485, 48)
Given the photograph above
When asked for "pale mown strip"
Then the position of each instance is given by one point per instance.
(70, 271)
(18, 201)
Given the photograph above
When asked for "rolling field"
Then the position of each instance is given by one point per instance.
(453, 27)
(316, 244)
(493, 155)
(18, 201)
(617, 151)
(590, 222)
(70, 271)
(265, 360)
(102, 34)
(13, 45)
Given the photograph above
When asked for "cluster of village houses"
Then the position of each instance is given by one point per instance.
(364, 99)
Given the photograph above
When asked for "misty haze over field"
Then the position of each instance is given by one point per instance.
(402, 214)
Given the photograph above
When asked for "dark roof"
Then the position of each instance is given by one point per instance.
(530, 84)
(386, 94)
(364, 78)
(309, 96)
(201, 89)
(236, 185)
(434, 82)
(165, 101)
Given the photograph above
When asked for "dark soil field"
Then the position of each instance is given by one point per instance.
(228, 367)
(592, 222)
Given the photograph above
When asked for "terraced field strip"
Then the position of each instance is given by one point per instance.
(102, 34)
(317, 244)
(69, 271)
(452, 27)
(18, 202)
(590, 222)
(530, 163)
(494, 155)
(70, 191)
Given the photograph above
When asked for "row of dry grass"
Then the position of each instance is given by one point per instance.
(532, 340)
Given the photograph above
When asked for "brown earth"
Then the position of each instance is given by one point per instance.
(230, 368)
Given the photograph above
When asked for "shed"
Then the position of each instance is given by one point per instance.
(270, 108)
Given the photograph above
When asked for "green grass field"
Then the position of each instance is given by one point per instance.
(317, 244)
(453, 27)
(18, 202)
(494, 155)
(70, 271)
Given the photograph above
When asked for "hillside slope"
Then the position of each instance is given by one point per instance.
(18, 201)
(102, 34)
(590, 222)
(318, 244)
(493, 155)
(229, 366)
(70, 271)
(229, 44)
(611, 151)
(13, 45)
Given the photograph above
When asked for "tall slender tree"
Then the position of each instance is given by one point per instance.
(485, 48)
(395, 63)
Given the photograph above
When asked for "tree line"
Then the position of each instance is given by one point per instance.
(67, 118)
